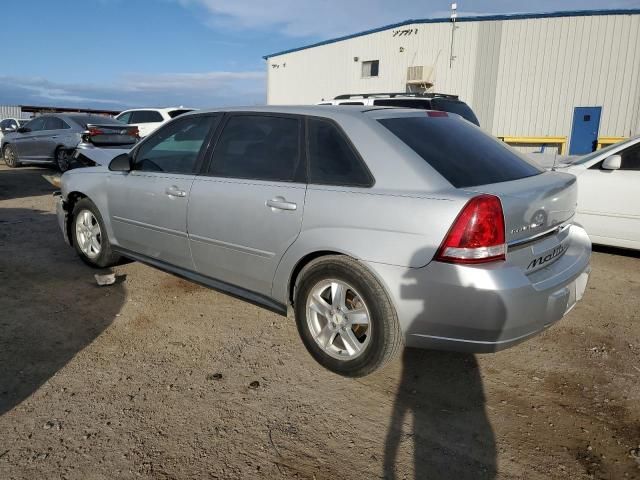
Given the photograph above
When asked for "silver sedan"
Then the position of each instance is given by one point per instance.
(378, 226)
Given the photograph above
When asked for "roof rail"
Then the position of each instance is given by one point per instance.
(347, 96)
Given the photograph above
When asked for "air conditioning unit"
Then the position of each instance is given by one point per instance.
(420, 75)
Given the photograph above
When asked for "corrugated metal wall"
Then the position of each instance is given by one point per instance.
(522, 77)
(10, 111)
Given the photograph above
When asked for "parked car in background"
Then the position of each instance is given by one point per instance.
(423, 101)
(609, 193)
(9, 125)
(299, 205)
(148, 119)
(52, 139)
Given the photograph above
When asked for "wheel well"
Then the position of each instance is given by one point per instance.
(303, 263)
(72, 199)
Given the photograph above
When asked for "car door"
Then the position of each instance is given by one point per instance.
(25, 143)
(247, 208)
(50, 138)
(609, 200)
(148, 205)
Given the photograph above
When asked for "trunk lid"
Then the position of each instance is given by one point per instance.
(535, 211)
(111, 134)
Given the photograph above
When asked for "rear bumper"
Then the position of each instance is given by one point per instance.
(485, 308)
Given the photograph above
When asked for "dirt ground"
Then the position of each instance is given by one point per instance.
(155, 377)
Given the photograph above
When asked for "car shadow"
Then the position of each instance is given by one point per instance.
(24, 182)
(623, 252)
(51, 306)
(440, 401)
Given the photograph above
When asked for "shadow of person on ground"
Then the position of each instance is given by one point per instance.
(440, 402)
(51, 307)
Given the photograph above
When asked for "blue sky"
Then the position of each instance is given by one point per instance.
(130, 53)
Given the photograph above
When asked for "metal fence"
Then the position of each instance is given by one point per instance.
(11, 111)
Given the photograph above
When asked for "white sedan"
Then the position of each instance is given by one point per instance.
(609, 193)
(148, 119)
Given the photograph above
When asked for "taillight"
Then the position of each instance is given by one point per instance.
(95, 131)
(437, 113)
(134, 132)
(477, 235)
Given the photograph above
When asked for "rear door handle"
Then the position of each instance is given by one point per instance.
(174, 191)
(279, 203)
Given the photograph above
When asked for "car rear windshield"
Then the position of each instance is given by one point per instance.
(175, 113)
(84, 120)
(460, 151)
(455, 106)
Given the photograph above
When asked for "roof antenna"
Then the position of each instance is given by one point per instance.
(454, 17)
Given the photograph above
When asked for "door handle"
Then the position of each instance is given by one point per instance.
(174, 191)
(279, 203)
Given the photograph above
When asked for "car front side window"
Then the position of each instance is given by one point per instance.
(36, 124)
(631, 158)
(175, 148)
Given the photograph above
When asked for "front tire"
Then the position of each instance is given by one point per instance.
(10, 157)
(89, 236)
(344, 316)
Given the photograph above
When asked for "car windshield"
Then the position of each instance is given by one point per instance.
(459, 151)
(597, 153)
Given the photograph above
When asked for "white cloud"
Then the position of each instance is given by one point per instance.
(136, 90)
(330, 18)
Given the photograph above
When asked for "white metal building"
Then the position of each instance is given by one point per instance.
(524, 75)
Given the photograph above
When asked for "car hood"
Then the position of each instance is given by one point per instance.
(99, 156)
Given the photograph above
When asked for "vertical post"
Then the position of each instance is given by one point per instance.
(454, 16)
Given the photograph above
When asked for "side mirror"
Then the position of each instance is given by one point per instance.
(23, 130)
(614, 162)
(121, 163)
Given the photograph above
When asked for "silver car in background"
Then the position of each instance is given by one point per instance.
(379, 226)
(52, 139)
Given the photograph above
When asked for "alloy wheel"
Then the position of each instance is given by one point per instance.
(88, 234)
(338, 319)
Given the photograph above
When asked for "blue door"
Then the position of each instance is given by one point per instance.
(584, 134)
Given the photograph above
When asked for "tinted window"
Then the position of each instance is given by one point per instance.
(175, 113)
(459, 151)
(370, 68)
(175, 148)
(454, 106)
(403, 103)
(124, 117)
(351, 103)
(258, 147)
(36, 124)
(631, 158)
(145, 116)
(331, 159)
(84, 120)
(54, 123)
(4, 123)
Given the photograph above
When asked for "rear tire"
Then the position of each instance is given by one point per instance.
(63, 159)
(89, 236)
(344, 316)
(10, 157)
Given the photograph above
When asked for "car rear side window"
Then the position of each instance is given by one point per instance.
(145, 116)
(460, 152)
(258, 147)
(332, 160)
(176, 147)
